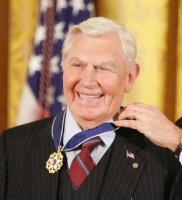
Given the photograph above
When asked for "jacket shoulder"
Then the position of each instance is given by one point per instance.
(28, 128)
(20, 137)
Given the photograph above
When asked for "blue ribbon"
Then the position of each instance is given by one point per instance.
(79, 138)
(82, 136)
(58, 128)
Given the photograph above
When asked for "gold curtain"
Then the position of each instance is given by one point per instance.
(179, 64)
(23, 20)
(153, 25)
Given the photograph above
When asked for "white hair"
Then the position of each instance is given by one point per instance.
(96, 26)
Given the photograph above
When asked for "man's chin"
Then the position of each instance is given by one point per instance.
(88, 117)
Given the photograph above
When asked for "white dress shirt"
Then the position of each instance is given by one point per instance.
(71, 128)
(180, 158)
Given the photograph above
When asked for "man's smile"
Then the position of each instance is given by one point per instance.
(89, 96)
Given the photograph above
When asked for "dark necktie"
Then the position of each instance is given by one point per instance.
(83, 163)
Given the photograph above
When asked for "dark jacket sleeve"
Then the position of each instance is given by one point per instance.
(179, 122)
(176, 193)
(2, 168)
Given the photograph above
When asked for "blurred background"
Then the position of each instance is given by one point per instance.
(30, 73)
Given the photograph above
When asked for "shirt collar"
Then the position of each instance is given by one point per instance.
(71, 128)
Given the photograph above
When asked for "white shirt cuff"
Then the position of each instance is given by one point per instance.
(180, 158)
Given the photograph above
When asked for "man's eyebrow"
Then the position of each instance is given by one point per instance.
(107, 63)
(73, 59)
(101, 64)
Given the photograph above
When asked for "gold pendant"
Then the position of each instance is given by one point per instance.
(55, 162)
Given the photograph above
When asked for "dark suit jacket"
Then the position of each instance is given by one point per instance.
(177, 186)
(179, 122)
(24, 151)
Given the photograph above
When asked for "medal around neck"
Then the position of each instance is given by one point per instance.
(55, 162)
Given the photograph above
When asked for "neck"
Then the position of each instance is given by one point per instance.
(85, 124)
(90, 124)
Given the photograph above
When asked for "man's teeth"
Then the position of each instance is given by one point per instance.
(89, 96)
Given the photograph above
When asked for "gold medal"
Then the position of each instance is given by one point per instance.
(55, 162)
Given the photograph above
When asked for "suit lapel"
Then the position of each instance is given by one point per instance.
(125, 166)
(44, 185)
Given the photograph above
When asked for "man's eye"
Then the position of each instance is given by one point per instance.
(100, 68)
(76, 65)
(103, 68)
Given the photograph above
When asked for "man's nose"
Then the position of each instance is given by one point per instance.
(89, 76)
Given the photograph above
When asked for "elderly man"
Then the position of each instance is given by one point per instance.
(80, 154)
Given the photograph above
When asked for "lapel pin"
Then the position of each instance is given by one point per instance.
(135, 165)
(130, 154)
(55, 162)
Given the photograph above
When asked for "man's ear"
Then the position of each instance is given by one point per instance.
(133, 74)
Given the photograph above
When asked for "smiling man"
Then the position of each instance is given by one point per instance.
(80, 154)
(96, 77)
